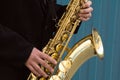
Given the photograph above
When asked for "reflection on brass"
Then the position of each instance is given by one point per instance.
(55, 55)
(65, 37)
(83, 50)
(73, 18)
(42, 78)
(65, 65)
(55, 77)
(69, 27)
(59, 47)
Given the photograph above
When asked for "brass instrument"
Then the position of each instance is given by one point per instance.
(83, 50)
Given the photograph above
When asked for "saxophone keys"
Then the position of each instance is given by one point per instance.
(59, 47)
(74, 17)
(55, 55)
(65, 37)
(65, 65)
(69, 26)
(55, 77)
(42, 78)
(32, 77)
(47, 71)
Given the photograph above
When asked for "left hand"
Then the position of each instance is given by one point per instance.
(85, 12)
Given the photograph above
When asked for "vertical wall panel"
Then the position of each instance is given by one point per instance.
(106, 19)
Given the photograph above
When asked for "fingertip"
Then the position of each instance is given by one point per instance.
(52, 70)
(87, 4)
(39, 75)
(55, 62)
(84, 19)
(46, 76)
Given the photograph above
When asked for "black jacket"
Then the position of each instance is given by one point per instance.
(23, 25)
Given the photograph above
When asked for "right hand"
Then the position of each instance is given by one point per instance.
(38, 58)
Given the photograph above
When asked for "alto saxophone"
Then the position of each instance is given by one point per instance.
(83, 50)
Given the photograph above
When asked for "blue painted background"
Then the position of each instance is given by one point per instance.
(106, 19)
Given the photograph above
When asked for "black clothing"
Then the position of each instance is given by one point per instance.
(22, 28)
(24, 24)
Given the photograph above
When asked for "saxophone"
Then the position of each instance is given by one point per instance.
(83, 50)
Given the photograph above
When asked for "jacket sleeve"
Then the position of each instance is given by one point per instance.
(60, 10)
(13, 48)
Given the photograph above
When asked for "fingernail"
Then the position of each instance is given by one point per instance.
(55, 62)
(45, 75)
(51, 70)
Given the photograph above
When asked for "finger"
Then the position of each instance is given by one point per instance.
(48, 58)
(33, 70)
(44, 64)
(85, 15)
(87, 4)
(53, 61)
(39, 70)
(84, 19)
(87, 10)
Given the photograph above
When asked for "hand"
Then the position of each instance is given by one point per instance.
(38, 58)
(85, 12)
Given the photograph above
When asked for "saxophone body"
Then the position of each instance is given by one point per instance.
(83, 50)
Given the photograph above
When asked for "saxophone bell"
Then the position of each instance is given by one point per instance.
(98, 43)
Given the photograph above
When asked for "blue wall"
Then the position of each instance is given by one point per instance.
(106, 19)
